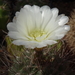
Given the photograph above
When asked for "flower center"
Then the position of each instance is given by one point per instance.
(37, 35)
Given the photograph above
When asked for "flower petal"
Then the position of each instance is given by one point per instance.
(34, 44)
(53, 24)
(36, 8)
(45, 43)
(63, 20)
(37, 16)
(28, 7)
(11, 26)
(46, 15)
(59, 16)
(59, 32)
(16, 35)
(55, 12)
(27, 44)
(26, 20)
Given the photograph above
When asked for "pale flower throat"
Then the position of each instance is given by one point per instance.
(37, 35)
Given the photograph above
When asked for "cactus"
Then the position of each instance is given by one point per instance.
(57, 59)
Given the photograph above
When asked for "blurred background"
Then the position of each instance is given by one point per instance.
(9, 7)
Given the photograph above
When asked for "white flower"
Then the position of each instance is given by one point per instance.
(36, 27)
